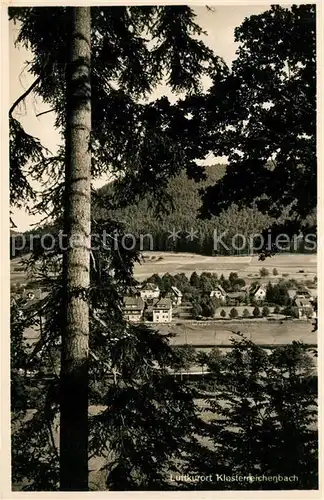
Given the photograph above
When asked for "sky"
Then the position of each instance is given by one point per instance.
(219, 25)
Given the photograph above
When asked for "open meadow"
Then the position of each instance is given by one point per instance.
(298, 266)
(247, 267)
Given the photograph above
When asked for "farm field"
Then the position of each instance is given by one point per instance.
(248, 267)
(259, 331)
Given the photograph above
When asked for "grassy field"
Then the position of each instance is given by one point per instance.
(247, 268)
(259, 331)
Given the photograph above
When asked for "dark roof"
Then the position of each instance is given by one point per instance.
(163, 303)
(303, 303)
(256, 288)
(133, 303)
(176, 291)
(150, 286)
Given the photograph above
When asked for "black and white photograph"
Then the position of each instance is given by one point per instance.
(163, 247)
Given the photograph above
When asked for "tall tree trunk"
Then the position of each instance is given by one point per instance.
(76, 259)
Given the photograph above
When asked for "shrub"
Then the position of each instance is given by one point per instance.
(246, 313)
(264, 272)
(265, 311)
(223, 313)
(275, 272)
(301, 271)
(291, 311)
(277, 309)
(256, 312)
(233, 313)
(285, 275)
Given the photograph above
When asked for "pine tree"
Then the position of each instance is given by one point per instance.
(122, 134)
(195, 280)
(76, 260)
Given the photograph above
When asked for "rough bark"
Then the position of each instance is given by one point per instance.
(76, 259)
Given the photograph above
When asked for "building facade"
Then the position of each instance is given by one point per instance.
(219, 293)
(133, 309)
(305, 308)
(162, 311)
(150, 291)
(175, 295)
(259, 293)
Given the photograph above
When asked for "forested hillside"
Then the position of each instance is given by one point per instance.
(182, 215)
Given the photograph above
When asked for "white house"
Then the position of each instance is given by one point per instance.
(259, 292)
(175, 296)
(218, 293)
(162, 310)
(150, 291)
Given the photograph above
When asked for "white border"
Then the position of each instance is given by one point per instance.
(5, 479)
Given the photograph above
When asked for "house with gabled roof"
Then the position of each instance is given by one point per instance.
(258, 292)
(162, 310)
(175, 296)
(218, 293)
(235, 298)
(305, 308)
(133, 308)
(150, 291)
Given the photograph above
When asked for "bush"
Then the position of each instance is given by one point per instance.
(256, 312)
(223, 313)
(291, 311)
(246, 313)
(233, 313)
(285, 275)
(264, 272)
(275, 272)
(265, 311)
(277, 309)
(301, 271)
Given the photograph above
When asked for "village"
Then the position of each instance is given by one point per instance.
(176, 298)
(290, 299)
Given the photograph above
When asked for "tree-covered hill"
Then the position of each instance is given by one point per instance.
(182, 215)
(147, 217)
